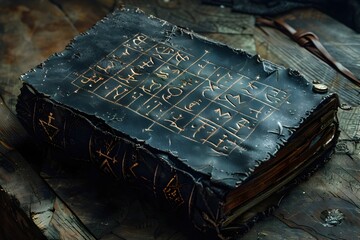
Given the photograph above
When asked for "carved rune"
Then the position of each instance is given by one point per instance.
(172, 192)
(107, 161)
(50, 130)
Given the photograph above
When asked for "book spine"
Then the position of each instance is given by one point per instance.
(88, 138)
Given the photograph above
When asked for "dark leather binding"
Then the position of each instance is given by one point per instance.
(189, 119)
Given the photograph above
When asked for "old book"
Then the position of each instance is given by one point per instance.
(208, 129)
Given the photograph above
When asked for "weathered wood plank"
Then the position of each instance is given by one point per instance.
(199, 18)
(214, 22)
(30, 31)
(350, 122)
(271, 228)
(15, 223)
(342, 42)
(37, 202)
(27, 39)
(332, 189)
(84, 14)
(274, 45)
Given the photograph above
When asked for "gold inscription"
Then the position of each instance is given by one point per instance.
(93, 79)
(207, 127)
(232, 99)
(132, 169)
(202, 67)
(163, 75)
(152, 88)
(158, 104)
(149, 63)
(181, 58)
(272, 94)
(239, 125)
(256, 111)
(117, 92)
(190, 106)
(139, 40)
(172, 84)
(135, 97)
(130, 77)
(252, 86)
(107, 161)
(125, 53)
(172, 92)
(211, 88)
(172, 192)
(173, 122)
(107, 68)
(163, 50)
(50, 130)
(186, 82)
(219, 142)
(221, 114)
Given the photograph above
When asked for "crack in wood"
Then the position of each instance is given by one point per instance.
(305, 228)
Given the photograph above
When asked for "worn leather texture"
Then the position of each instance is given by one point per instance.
(188, 118)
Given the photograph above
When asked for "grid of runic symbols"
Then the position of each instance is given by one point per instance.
(182, 93)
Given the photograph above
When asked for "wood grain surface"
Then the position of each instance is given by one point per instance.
(72, 200)
(338, 39)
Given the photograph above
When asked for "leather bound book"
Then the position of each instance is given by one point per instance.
(210, 130)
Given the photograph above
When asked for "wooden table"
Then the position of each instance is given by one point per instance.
(42, 196)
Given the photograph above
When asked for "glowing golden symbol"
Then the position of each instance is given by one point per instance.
(50, 130)
(94, 79)
(107, 161)
(172, 192)
(106, 157)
